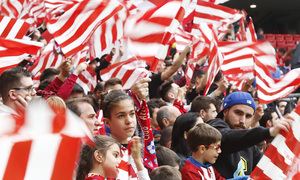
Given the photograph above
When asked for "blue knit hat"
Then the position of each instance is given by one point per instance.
(237, 98)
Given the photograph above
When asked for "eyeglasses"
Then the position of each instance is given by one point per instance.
(29, 89)
(217, 147)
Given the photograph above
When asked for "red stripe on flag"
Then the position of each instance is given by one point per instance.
(18, 160)
(66, 157)
(8, 28)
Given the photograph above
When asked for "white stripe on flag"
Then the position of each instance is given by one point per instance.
(43, 148)
(6, 146)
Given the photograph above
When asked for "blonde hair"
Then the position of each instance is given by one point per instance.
(57, 104)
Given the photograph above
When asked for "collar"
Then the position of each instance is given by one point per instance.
(197, 163)
(6, 109)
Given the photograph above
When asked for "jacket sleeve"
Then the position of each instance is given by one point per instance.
(55, 85)
(234, 140)
(67, 87)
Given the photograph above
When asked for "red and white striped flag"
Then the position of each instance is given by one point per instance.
(73, 29)
(107, 34)
(282, 159)
(12, 28)
(182, 39)
(128, 71)
(215, 61)
(87, 80)
(32, 11)
(220, 16)
(250, 32)
(238, 59)
(149, 33)
(47, 59)
(14, 51)
(189, 73)
(44, 144)
(270, 89)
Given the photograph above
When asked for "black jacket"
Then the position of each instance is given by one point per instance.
(238, 148)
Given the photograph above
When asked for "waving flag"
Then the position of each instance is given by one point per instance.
(12, 28)
(220, 16)
(215, 57)
(73, 29)
(250, 32)
(26, 140)
(107, 34)
(149, 33)
(238, 62)
(270, 89)
(282, 159)
(32, 11)
(14, 51)
(87, 80)
(128, 71)
(47, 59)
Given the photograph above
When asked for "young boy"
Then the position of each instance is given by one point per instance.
(204, 142)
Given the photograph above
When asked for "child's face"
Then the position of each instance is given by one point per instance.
(111, 161)
(212, 152)
(122, 123)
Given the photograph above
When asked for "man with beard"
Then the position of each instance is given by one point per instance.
(239, 154)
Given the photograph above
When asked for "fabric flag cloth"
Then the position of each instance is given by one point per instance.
(238, 62)
(147, 34)
(189, 73)
(14, 51)
(107, 34)
(73, 29)
(32, 11)
(87, 80)
(49, 58)
(128, 71)
(220, 16)
(12, 28)
(270, 89)
(215, 57)
(31, 148)
(282, 159)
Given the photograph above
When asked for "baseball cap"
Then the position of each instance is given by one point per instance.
(237, 98)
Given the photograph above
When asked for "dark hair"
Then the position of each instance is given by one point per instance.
(202, 102)
(47, 73)
(77, 89)
(99, 87)
(165, 173)
(155, 103)
(102, 144)
(267, 116)
(44, 84)
(72, 104)
(112, 82)
(219, 75)
(162, 113)
(164, 89)
(111, 99)
(183, 124)
(200, 73)
(202, 134)
(166, 135)
(282, 50)
(11, 78)
(166, 156)
(287, 62)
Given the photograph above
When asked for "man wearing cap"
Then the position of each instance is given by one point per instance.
(239, 154)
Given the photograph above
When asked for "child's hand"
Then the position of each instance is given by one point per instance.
(136, 148)
(136, 152)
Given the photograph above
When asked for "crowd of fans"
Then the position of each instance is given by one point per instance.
(218, 136)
